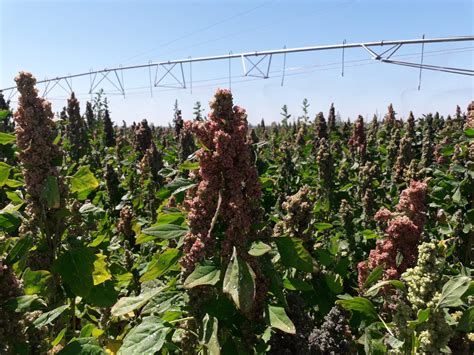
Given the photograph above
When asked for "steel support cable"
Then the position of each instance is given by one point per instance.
(192, 33)
(432, 67)
(421, 62)
(213, 40)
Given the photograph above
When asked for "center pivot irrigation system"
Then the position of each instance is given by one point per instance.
(254, 64)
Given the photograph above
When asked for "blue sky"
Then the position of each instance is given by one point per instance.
(53, 38)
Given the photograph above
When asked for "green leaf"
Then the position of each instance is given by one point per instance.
(83, 346)
(37, 282)
(452, 292)
(359, 304)
(422, 317)
(447, 150)
(4, 114)
(103, 295)
(14, 183)
(457, 195)
(4, 172)
(239, 283)
(48, 317)
(76, 268)
(9, 221)
(294, 284)
(259, 248)
(334, 282)
(372, 291)
(375, 275)
(167, 301)
(368, 234)
(187, 165)
(128, 304)
(19, 250)
(323, 226)
(346, 187)
(100, 273)
(24, 303)
(466, 323)
(164, 231)
(59, 337)
(15, 197)
(160, 266)
(83, 182)
(170, 218)
(50, 192)
(209, 337)
(203, 275)
(469, 132)
(6, 138)
(293, 254)
(280, 320)
(146, 338)
(324, 257)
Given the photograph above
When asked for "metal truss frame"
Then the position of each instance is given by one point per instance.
(254, 64)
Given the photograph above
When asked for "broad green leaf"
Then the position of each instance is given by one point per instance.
(368, 234)
(334, 282)
(83, 182)
(14, 183)
(323, 226)
(59, 337)
(19, 250)
(457, 195)
(37, 282)
(280, 320)
(146, 338)
(294, 284)
(128, 304)
(359, 304)
(163, 264)
(4, 172)
(83, 346)
(167, 301)
(466, 323)
(48, 317)
(422, 317)
(4, 114)
(324, 257)
(9, 221)
(203, 275)
(372, 291)
(375, 275)
(164, 231)
(259, 248)
(103, 295)
(187, 165)
(170, 218)
(6, 138)
(86, 330)
(90, 209)
(469, 132)
(293, 254)
(76, 267)
(239, 283)
(209, 337)
(100, 274)
(50, 192)
(15, 197)
(24, 303)
(452, 292)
